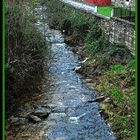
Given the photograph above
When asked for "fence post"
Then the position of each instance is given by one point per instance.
(112, 12)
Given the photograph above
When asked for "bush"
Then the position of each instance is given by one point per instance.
(94, 33)
(24, 54)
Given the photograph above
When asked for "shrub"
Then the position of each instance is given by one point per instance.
(24, 54)
(94, 33)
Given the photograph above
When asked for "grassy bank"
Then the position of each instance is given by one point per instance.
(24, 47)
(105, 10)
(110, 66)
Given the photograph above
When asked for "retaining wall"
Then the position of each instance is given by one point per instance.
(118, 31)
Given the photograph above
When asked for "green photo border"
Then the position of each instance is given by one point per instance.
(136, 67)
(3, 69)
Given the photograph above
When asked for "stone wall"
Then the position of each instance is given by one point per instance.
(104, 23)
(123, 32)
(118, 31)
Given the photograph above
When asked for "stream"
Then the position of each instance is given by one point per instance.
(63, 113)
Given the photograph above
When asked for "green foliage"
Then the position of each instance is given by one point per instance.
(114, 83)
(117, 68)
(93, 34)
(131, 64)
(117, 94)
(125, 124)
(97, 44)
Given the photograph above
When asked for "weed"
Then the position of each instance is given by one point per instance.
(117, 94)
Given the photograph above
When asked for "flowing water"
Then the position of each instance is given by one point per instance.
(70, 115)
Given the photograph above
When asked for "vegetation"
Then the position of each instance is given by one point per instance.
(24, 52)
(111, 66)
(118, 83)
(104, 10)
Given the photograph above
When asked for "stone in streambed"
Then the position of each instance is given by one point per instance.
(33, 118)
(88, 80)
(78, 69)
(41, 112)
(98, 99)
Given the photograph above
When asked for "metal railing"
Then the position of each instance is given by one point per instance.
(124, 13)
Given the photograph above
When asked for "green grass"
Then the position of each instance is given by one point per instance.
(105, 10)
